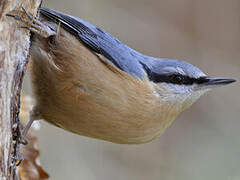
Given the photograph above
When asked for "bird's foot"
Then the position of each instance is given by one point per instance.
(18, 134)
(33, 24)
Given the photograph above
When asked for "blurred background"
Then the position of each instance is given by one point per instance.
(203, 143)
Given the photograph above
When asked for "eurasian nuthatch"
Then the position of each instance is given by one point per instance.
(88, 82)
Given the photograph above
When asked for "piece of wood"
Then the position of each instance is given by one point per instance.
(14, 45)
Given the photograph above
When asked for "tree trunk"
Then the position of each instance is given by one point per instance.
(14, 45)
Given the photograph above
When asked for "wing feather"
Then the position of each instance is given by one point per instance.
(99, 41)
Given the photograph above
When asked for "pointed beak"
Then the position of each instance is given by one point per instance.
(215, 82)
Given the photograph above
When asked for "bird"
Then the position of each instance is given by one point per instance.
(90, 83)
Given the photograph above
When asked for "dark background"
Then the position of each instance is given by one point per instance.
(203, 143)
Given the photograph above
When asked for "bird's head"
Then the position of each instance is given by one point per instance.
(180, 83)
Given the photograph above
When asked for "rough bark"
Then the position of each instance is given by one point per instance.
(14, 45)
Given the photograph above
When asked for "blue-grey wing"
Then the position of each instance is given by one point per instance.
(99, 41)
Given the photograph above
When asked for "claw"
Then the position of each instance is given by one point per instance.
(18, 18)
(28, 15)
(18, 158)
(23, 141)
(24, 27)
(14, 16)
(19, 161)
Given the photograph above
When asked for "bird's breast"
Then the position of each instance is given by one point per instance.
(78, 91)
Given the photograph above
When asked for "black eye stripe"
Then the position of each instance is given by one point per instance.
(175, 79)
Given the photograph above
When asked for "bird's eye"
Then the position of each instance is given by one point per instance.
(177, 79)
